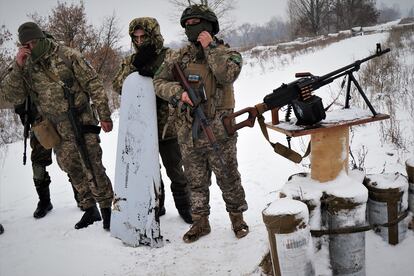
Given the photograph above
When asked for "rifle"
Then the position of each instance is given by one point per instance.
(200, 119)
(307, 108)
(78, 128)
(26, 129)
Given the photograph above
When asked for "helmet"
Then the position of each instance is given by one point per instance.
(202, 12)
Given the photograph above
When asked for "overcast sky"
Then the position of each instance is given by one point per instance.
(14, 12)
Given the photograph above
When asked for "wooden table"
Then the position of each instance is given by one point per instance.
(329, 140)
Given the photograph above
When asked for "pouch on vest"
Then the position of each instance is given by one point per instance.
(46, 134)
(201, 79)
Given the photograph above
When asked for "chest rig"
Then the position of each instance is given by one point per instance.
(201, 79)
(215, 96)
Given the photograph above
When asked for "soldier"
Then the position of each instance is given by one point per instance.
(149, 55)
(207, 62)
(41, 158)
(56, 78)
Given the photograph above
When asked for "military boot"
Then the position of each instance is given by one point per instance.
(106, 216)
(89, 217)
(240, 227)
(44, 205)
(200, 227)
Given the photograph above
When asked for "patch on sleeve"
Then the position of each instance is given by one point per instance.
(236, 59)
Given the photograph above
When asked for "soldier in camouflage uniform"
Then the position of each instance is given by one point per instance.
(40, 69)
(149, 55)
(207, 62)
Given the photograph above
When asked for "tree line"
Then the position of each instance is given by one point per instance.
(314, 17)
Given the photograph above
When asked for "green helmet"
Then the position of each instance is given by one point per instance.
(202, 12)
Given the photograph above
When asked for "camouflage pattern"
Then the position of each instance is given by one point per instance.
(50, 102)
(225, 65)
(198, 165)
(68, 159)
(151, 28)
(199, 158)
(47, 94)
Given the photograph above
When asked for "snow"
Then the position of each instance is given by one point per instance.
(388, 181)
(51, 246)
(343, 186)
(288, 206)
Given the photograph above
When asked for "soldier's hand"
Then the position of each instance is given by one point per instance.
(205, 39)
(22, 54)
(106, 126)
(186, 99)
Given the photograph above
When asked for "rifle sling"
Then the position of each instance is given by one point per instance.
(278, 147)
(84, 128)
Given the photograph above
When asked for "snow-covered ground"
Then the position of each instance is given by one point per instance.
(51, 246)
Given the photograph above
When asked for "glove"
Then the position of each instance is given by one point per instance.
(146, 54)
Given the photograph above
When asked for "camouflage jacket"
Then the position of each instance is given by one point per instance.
(224, 63)
(48, 95)
(151, 28)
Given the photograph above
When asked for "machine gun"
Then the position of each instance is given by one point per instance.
(308, 108)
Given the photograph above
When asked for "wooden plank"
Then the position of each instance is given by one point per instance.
(330, 153)
(293, 130)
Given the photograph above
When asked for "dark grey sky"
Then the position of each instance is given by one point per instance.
(13, 12)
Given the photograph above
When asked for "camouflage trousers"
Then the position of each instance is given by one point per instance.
(200, 162)
(70, 161)
(41, 158)
(171, 159)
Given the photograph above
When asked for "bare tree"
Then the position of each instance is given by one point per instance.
(8, 133)
(69, 25)
(309, 16)
(353, 13)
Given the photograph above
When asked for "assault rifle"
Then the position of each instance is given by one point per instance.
(200, 119)
(308, 108)
(79, 129)
(26, 129)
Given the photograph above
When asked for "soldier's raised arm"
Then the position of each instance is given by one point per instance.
(12, 85)
(225, 63)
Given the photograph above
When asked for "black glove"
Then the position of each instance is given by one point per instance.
(146, 72)
(146, 54)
